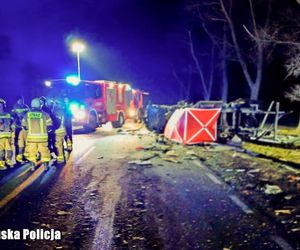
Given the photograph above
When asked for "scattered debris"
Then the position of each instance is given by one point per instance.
(272, 189)
(191, 153)
(169, 159)
(282, 211)
(140, 162)
(254, 171)
(61, 212)
(171, 153)
(288, 197)
(149, 156)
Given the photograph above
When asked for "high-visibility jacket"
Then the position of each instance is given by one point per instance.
(5, 125)
(61, 130)
(36, 123)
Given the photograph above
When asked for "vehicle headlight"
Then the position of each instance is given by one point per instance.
(131, 113)
(79, 114)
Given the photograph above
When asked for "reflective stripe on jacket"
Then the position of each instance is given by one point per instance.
(36, 123)
(61, 130)
(5, 125)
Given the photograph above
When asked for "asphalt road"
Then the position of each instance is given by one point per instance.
(99, 200)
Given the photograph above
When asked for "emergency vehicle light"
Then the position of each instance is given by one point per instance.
(75, 107)
(73, 80)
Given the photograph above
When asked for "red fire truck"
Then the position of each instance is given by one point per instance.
(93, 103)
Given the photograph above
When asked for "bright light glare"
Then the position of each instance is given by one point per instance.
(74, 107)
(78, 47)
(131, 113)
(79, 114)
(74, 80)
(48, 84)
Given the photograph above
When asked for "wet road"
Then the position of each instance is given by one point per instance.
(100, 201)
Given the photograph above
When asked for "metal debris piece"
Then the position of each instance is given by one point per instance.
(61, 212)
(140, 162)
(169, 159)
(272, 189)
(282, 211)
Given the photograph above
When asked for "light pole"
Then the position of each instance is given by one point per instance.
(78, 47)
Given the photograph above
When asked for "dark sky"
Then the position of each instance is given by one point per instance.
(128, 40)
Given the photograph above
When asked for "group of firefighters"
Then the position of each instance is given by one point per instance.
(37, 133)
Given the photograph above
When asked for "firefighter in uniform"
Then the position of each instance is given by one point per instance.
(19, 110)
(68, 124)
(6, 150)
(60, 132)
(37, 123)
(49, 109)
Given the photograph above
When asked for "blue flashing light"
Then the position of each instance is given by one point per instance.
(74, 107)
(73, 80)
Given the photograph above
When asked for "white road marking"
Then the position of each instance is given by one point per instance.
(241, 204)
(19, 189)
(84, 156)
(214, 179)
(281, 242)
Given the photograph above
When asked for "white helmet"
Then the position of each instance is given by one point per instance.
(36, 103)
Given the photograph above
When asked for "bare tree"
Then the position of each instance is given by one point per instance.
(215, 63)
(184, 80)
(254, 63)
(206, 76)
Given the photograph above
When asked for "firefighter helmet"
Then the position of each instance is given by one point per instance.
(3, 102)
(43, 100)
(36, 103)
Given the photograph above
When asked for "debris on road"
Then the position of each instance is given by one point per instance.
(272, 189)
(140, 162)
(61, 212)
(282, 211)
(169, 159)
(171, 153)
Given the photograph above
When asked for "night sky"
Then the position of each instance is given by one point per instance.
(126, 40)
(138, 41)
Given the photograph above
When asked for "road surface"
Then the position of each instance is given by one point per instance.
(101, 199)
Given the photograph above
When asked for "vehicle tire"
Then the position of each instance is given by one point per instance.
(93, 124)
(120, 122)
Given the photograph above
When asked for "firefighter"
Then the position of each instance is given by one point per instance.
(37, 124)
(6, 150)
(44, 107)
(19, 110)
(60, 132)
(68, 124)
(49, 109)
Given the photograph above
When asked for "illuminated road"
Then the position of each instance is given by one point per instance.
(100, 201)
